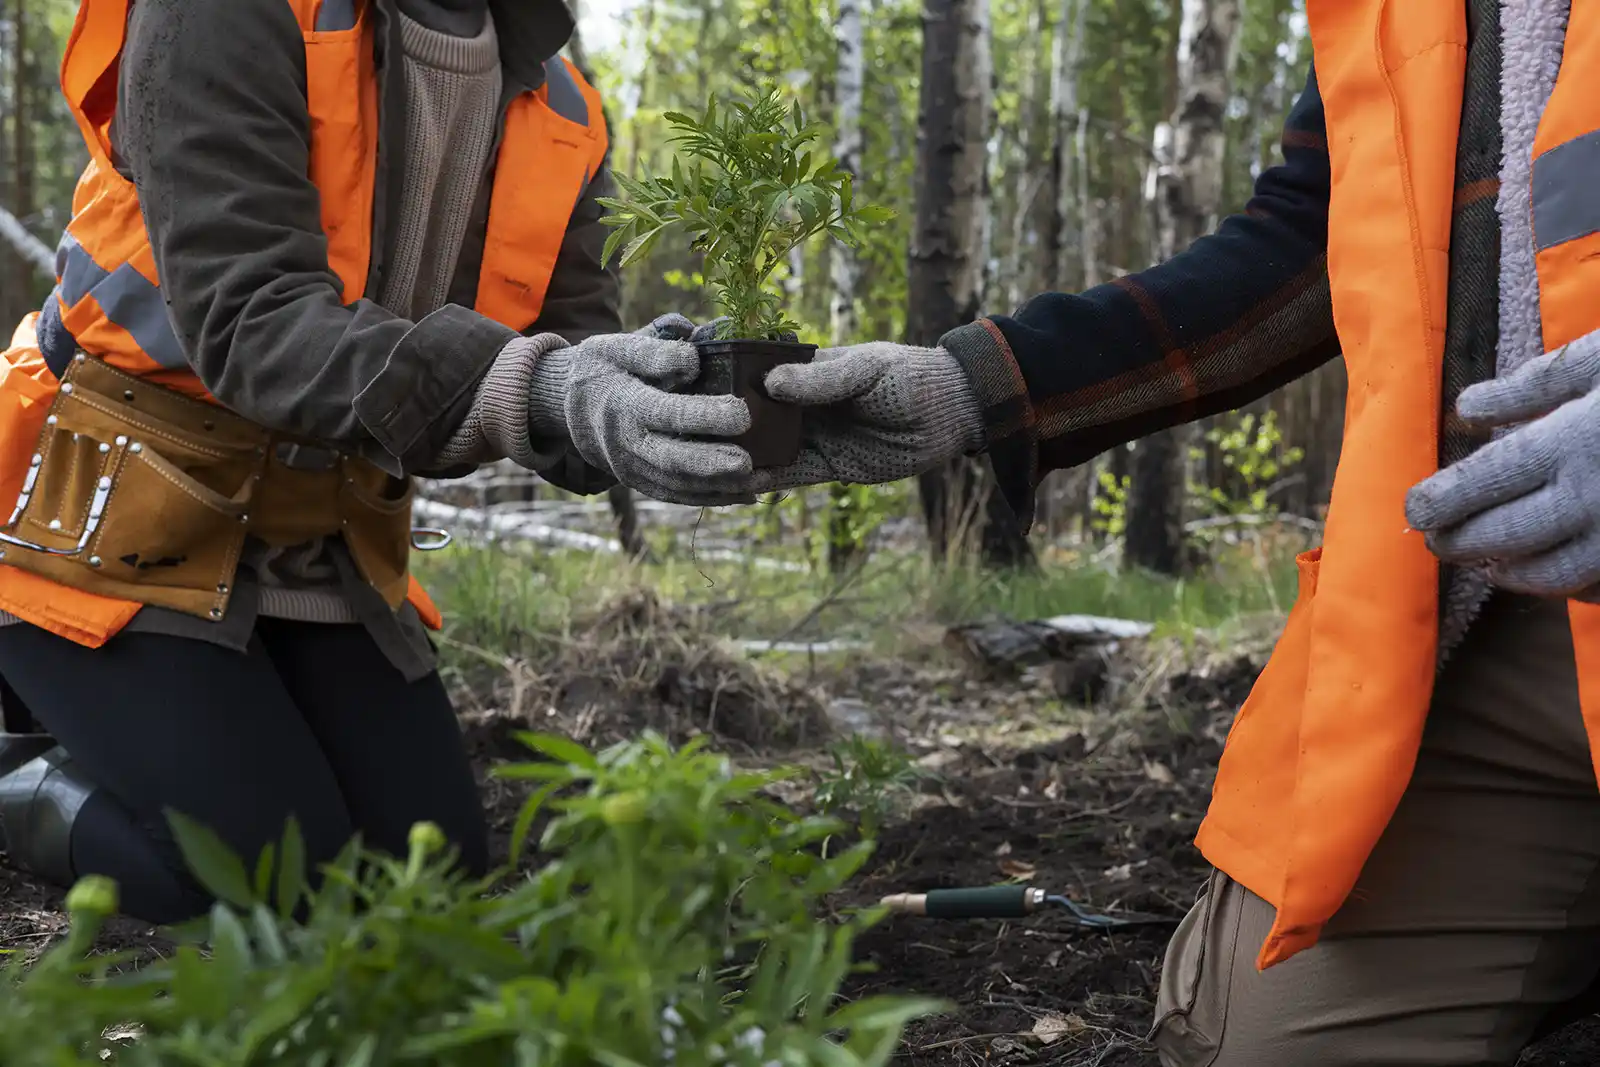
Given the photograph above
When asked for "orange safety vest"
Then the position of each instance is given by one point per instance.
(1322, 751)
(110, 301)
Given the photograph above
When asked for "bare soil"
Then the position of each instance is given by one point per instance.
(1099, 806)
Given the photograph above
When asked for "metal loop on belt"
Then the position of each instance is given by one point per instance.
(97, 503)
(430, 538)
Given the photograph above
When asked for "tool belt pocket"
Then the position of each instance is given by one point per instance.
(376, 510)
(137, 492)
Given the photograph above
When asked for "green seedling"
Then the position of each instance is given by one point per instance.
(868, 779)
(673, 918)
(748, 186)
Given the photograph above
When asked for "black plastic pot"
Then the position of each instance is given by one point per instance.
(739, 368)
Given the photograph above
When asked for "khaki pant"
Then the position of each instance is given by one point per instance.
(1475, 926)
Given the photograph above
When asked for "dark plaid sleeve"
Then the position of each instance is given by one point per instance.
(1233, 317)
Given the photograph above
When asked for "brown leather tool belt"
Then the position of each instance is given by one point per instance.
(139, 493)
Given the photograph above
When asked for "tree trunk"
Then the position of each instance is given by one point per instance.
(1064, 251)
(626, 513)
(1032, 172)
(24, 278)
(945, 272)
(620, 497)
(575, 49)
(849, 89)
(1186, 189)
(844, 547)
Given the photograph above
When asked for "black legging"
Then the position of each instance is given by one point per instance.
(312, 722)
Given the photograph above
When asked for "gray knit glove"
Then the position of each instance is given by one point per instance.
(875, 413)
(1528, 502)
(609, 396)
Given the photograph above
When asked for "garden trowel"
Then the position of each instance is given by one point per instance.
(1009, 902)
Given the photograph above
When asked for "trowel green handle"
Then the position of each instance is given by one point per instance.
(988, 902)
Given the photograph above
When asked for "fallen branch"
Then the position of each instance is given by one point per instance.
(508, 524)
(32, 250)
(1280, 519)
(465, 522)
(815, 648)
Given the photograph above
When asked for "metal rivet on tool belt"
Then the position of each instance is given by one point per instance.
(79, 358)
(36, 460)
(244, 518)
(222, 587)
(55, 524)
(216, 613)
(50, 420)
(121, 440)
(94, 561)
(127, 394)
(104, 483)
(136, 447)
(66, 387)
(208, 424)
(104, 448)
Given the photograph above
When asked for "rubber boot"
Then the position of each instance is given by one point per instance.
(40, 797)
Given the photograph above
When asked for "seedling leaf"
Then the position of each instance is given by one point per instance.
(215, 866)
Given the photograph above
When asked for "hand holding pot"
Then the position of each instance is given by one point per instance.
(611, 396)
(874, 413)
(616, 405)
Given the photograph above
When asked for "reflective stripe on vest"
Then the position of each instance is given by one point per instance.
(336, 15)
(1566, 188)
(563, 95)
(1566, 192)
(127, 299)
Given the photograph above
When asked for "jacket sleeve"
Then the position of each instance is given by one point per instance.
(212, 126)
(1238, 314)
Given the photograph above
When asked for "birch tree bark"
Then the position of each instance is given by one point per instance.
(1032, 177)
(1065, 246)
(624, 510)
(945, 272)
(843, 267)
(23, 278)
(1063, 251)
(1185, 189)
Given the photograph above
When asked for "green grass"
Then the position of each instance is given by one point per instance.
(526, 601)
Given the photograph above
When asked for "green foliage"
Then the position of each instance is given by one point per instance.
(896, 589)
(748, 186)
(1110, 503)
(1254, 453)
(685, 282)
(854, 513)
(673, 920)
(867, 780)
